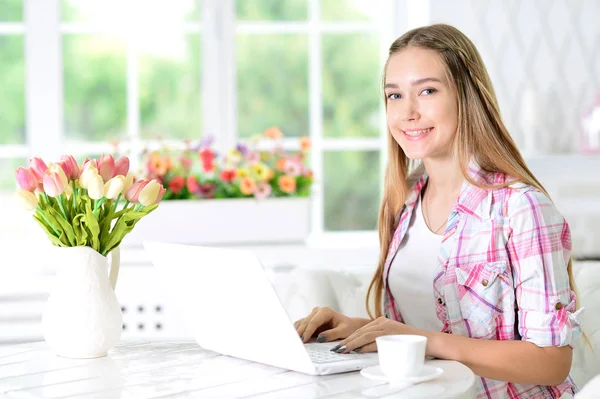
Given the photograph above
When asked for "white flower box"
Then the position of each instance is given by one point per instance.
(225, 221)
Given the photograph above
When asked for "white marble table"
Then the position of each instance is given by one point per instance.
(184, 370)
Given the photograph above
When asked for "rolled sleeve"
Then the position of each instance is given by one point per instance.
(539, 246)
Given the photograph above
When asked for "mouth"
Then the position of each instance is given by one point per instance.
(417, 133)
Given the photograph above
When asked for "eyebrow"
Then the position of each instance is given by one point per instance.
(414, 83)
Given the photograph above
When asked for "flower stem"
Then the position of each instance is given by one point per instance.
(74, 197)
(117, 203)
(41, 213)
(61, 205)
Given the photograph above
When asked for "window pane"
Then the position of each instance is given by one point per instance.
(11, 10)
(170, 87)
(272, 78)
(351, 85)
(12, 90)
(351, 190)
(115, 12)
(7, 172)
(272, 10)
(94, 87)
(355, 10)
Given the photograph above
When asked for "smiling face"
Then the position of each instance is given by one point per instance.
(422, 109)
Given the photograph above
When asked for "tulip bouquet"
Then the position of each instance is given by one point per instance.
(94, 204)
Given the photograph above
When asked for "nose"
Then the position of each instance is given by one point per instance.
(409, 111)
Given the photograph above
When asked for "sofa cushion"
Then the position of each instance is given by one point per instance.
(586, 360)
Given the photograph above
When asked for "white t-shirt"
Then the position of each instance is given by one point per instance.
(412, 272)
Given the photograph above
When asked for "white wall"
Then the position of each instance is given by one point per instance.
(551, 47)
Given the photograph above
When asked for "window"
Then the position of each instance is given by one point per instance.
(129, 71)
(12, 96)
(297, 68)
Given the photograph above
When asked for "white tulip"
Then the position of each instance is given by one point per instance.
(96, 187)
(114, 187)
(27, 199)
(149, 193)
(86, 176)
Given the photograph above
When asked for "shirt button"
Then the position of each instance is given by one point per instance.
(558, 306)
(484, 282)
(440, 301)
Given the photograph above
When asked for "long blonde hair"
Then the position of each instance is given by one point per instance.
(481, 134)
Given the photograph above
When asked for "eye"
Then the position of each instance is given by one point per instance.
(393, 96)
(428, 92)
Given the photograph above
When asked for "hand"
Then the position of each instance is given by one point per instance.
(363, 339)
(326, 323)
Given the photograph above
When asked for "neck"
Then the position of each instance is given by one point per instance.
(445, 177)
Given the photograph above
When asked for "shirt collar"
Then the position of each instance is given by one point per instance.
(473, 200)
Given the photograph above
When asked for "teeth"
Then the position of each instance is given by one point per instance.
(418, 132)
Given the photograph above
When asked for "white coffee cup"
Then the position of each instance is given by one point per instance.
(401, 356)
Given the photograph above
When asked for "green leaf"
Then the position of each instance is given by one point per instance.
(105, 225)
(67, 229)
(129, 216)
(120, 230)
(92, 226)
(48, 230)
(53, 222)
(79, 230)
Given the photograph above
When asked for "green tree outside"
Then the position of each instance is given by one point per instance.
(272, 77)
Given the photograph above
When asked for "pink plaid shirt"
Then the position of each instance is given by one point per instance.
(501, 273)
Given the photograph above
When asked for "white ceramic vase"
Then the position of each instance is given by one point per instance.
(82, 318)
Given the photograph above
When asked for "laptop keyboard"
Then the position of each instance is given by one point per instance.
(320, 353)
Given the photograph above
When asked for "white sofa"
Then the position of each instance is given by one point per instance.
(301, 289)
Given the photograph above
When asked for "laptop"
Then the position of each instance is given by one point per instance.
(234, 310)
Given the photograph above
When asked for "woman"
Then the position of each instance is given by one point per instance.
(474, 255)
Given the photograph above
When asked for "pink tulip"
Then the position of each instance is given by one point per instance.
(106, 167)
(70, 166)
(134, 191)
(38, 167)
(26, 179)
(122, 167)
(53, 184)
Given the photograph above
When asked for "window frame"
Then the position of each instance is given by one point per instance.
(43, 31)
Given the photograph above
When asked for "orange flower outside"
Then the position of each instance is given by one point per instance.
(247, 186)
(159, 165)
(273, 133)
(305, 143)
(280, 165)
(287, 184)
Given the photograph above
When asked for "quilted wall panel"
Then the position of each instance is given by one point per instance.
(542, 55)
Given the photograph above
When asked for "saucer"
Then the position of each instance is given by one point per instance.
(427, 373)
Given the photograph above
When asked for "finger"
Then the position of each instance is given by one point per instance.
(302, 327)
(361, 341)
(333, 334)
(361, 331)
(372, 347)
(297, 323)
(358, 340)
(305, 322)
(317, 321)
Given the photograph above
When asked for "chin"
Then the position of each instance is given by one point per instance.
(414, 155)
